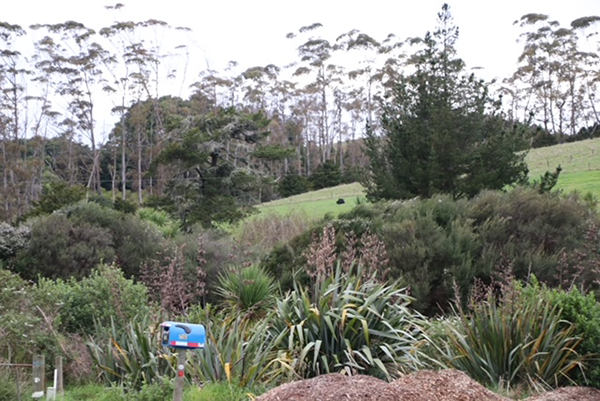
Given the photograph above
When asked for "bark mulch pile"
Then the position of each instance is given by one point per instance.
(445, 385)
(569, 394)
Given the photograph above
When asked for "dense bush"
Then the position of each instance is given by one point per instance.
(72, 241)
(12, 240)
(432, 243)
(237, 352)
(55, 195)
(28, 319)
(104, 296)
(132, 357)
(60, 247)
(248, 293)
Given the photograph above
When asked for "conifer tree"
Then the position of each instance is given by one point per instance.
(441, 132)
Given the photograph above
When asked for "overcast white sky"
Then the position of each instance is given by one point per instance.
(252, 32)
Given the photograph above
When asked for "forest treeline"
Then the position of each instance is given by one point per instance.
(242, 132)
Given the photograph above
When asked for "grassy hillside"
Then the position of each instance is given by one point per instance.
(580, 162)
(316, 203)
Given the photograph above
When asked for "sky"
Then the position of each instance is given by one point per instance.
(253, 32)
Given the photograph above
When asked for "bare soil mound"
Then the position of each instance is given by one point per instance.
(425, 385)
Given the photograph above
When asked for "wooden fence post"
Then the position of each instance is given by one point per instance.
(58, 365)
(39, 375)
(180, 379)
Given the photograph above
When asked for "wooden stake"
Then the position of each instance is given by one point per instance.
(58, 365)
(39, 374)
(180, 379)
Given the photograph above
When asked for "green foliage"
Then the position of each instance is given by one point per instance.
(12, 239)
(132, 357)
(61, 247)
(583, 311)
(235, 351)
(105, 296)
(347, 324)
(438, 133)
(56, 194)
(326, 175)
(432, 243)
(124, 206)
(93, 392)
(513, 339)
(8, 385)
(24, 331)
(547, 181)
(274, 152)
(166, 225)
(220, 392)
(72, 241)
(212, 186)
(293, 184)
(248, 292)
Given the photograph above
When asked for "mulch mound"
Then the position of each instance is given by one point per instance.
(445, 385)
(568, 394)
(425, 385)
(335, 387)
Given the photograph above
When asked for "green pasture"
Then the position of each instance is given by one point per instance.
(316, 204)
(580, 162)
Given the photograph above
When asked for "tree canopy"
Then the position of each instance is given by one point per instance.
(441, 131)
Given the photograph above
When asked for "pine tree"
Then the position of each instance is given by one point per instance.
(441, 132)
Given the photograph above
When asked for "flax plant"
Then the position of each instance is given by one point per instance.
(513, 340)
(348, 325)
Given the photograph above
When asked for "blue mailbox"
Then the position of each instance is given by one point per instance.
(183, 335)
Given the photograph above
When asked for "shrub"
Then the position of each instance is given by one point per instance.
(8, 385)
(103, 296)
(134, 240)
(583, 311)
(12, 239)
(132, 357)
(72, 241)
(347, 324)
(167, 226)
(60, 247)
(23, 330)
(432, 243)
(55, 195)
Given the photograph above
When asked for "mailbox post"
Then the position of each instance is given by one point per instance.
(182, 336)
